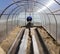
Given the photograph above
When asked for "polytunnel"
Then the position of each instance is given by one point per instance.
(30, 26)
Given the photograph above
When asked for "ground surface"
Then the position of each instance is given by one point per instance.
(8, 41)
(52, 47)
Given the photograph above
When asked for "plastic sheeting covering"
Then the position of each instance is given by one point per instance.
(52, 27)
(12, 14)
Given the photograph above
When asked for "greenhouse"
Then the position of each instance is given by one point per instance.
(29, 26)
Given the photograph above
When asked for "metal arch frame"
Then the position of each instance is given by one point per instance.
(12, 16)
(14, 2)
(14, 13)
(25, 14)
(8, 17)
(36, 2)
(44, 16)
(21, 1)
(49, 21)
(53, 15)
(33, 12)
(40, 4)
(33, 1)
(48, 18)
(44, 19)
(45, 23)
(41, 20)
(11, 12)
(8, 7)
(57, 2)
(54, 0)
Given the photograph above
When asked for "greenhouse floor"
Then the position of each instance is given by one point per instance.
(33, 40)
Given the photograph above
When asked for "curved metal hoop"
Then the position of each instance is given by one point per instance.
(36, 2)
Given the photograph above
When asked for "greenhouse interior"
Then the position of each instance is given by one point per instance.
(29, 26)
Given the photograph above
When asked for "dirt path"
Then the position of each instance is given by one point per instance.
(52, 47)
(8, 41)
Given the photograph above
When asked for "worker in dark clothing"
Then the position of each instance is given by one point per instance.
(29, 19)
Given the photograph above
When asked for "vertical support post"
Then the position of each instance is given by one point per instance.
(7, 26)
(25, 16)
